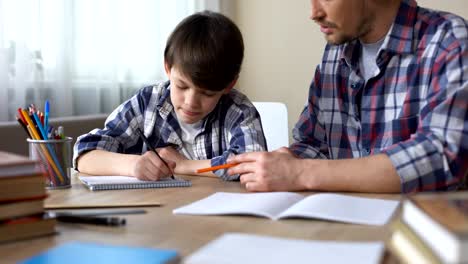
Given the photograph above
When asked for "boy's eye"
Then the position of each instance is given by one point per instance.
(182, 87)
(209, 94)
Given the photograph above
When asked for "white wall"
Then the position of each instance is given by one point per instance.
(283, 47)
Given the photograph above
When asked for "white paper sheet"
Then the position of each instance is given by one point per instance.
(237, 248)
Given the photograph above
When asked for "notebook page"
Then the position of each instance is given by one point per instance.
(260, 204)
(343, 208)
(278, 250)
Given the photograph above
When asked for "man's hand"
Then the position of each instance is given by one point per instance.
(268, 171)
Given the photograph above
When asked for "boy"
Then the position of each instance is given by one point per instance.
(194, 120)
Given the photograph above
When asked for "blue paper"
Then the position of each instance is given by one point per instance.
(82, 253)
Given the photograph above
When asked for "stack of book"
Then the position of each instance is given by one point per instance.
(22, 194)
(432, 229)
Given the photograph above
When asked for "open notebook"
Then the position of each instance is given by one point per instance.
(278, 205)
(97, 183)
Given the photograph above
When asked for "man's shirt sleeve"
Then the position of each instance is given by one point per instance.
(309, 133)
(436, 156)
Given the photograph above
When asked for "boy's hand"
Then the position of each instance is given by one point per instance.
(170, 153)
(149, 167)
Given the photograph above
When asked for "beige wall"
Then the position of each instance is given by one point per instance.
(283, 47)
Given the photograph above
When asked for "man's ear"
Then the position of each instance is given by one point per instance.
(231, 85)
(167, 69)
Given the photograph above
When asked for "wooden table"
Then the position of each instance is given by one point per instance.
(159, 228)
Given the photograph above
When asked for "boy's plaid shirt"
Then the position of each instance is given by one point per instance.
(414, 110)
(233, 127)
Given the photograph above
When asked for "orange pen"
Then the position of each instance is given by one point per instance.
(224, 166)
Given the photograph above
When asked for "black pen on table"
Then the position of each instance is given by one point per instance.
(94, 220)
(148, 145)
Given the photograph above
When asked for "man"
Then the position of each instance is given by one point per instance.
(387, 108)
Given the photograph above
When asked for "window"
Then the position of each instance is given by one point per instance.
(85, 56)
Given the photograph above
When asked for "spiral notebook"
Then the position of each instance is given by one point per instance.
(98, 183)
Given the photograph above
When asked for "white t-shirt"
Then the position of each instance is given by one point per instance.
(367, 63)
(189, 132)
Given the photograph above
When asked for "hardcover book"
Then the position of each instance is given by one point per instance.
(22, 207)
(442, 223)
(13, 164)
(410, 248)
(26, 227)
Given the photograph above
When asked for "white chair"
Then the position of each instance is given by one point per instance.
(274, 117)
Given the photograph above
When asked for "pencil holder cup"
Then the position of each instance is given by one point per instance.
(55, 156)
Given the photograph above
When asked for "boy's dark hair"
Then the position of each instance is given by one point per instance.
(208, 48)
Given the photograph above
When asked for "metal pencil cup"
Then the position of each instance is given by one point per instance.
(55, 157)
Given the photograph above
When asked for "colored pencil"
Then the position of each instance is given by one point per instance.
(224, 166)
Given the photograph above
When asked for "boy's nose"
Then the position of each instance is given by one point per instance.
(192, 100)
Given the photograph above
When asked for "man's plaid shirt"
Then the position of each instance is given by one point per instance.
(414, 110)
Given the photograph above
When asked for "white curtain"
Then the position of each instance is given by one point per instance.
(85, 56)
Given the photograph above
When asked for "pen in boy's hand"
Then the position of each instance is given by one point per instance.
(148, 145)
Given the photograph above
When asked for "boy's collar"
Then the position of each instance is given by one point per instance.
(165, 106)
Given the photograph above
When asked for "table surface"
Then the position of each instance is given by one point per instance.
(159, 228)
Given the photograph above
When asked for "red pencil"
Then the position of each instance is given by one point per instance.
(20, 114)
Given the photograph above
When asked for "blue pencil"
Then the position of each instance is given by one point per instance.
(46, 116)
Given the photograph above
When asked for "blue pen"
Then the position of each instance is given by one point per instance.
(46, 116)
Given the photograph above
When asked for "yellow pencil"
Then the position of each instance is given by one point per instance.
(49, 168)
